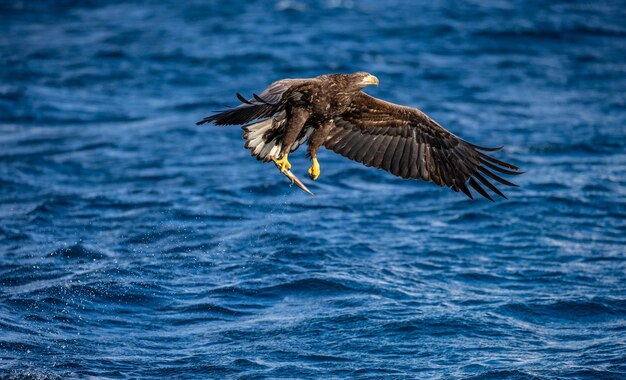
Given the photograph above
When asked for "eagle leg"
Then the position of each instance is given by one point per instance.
(283, 163)
(314, 170)
(320, 134)
(296, 119)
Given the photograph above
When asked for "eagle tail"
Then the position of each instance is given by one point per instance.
(262, 140)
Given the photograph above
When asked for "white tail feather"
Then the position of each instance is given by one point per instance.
(264, 155)
(256, 136)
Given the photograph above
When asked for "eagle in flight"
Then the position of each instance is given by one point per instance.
(331, 110)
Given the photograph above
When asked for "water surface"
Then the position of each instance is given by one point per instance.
(134, 244)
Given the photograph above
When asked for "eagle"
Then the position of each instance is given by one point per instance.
(332, 111)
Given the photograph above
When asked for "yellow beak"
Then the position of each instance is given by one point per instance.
(370, 80)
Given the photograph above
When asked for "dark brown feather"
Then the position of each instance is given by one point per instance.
(477, 187)
(406, 164)
(464, 189)
(398, 162)
(390, 153)
(242, 99)
(496, 177)
(496, 161)
(355, 144)
(489, 184)
(370, 141)
(499, 169)
(379, 154)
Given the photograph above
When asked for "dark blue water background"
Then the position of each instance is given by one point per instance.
(136, 244)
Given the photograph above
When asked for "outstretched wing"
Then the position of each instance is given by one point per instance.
(409, 144)
(267, 103)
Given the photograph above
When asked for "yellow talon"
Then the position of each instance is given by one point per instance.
(283, 164)
(314, 170)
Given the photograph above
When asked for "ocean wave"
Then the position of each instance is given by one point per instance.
(575, 310)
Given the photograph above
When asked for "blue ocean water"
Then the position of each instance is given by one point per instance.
(134, 244)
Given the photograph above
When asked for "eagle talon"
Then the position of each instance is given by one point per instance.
(314, 170)
(283, 164)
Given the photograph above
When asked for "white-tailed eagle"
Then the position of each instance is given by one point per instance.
(331, 110)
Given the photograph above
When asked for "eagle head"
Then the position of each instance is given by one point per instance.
(363, 79)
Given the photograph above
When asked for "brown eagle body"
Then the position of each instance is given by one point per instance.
(331, 110)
